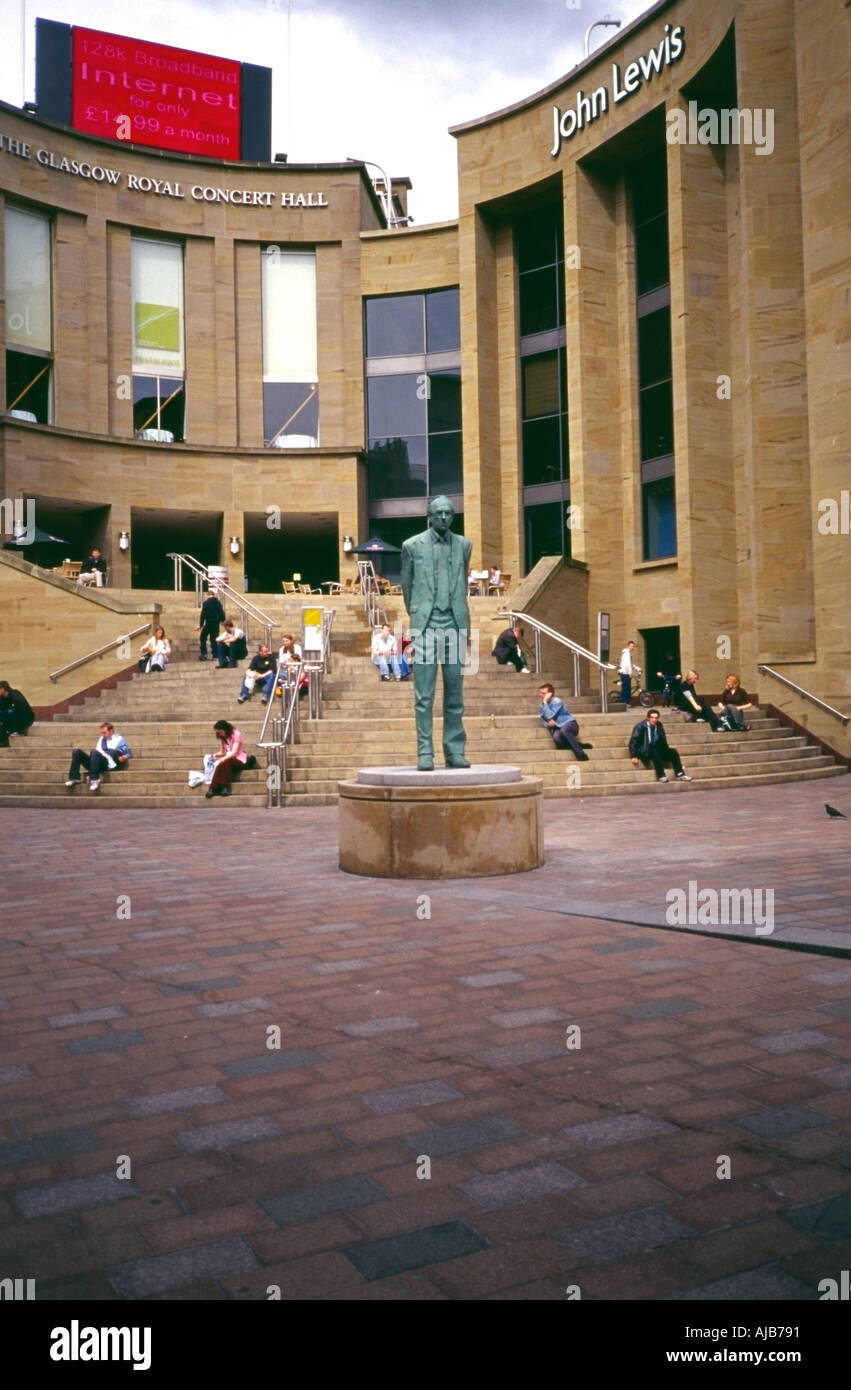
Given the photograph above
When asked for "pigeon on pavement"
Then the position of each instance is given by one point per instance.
(833, 813)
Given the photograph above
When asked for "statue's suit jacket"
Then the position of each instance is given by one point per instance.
(418, 578)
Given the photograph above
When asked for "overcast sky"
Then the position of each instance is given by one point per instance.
(376, 80)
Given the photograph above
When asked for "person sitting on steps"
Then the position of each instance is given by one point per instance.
(649, 745)
(109, 753)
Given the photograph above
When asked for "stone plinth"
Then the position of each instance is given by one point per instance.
(396, 822)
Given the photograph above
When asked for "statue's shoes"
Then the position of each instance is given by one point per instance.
(457, 762)
(425, 765)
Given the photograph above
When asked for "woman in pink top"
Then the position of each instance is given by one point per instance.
(232, 756)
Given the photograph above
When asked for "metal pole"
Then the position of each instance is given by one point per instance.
(577, 680)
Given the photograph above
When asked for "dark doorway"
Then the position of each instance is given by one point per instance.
(304, 544)
(661, 653)
(156, 532)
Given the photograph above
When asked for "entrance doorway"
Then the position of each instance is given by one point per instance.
(661, 653)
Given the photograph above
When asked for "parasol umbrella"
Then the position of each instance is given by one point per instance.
(30, 544)
(374, 545)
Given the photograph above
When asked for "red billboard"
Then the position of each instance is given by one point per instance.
(151, 94)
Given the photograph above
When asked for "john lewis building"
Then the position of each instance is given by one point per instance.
(631, 348)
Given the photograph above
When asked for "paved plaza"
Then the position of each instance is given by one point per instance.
(228, 1069)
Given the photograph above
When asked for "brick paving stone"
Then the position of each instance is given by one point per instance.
(87, 1016)
(842, 1009)
(334, 927)
(839, 1076)
(306, 1203)
(228, 1134)
(239, 948)
(76, 1192)
(776, 1121)
(612, 948)
(404, 1097)
(524, 1184)
(272, 1061)
(201, 986)
(108, 1042)
(234, 1007)
(521, 1018)
(764, 1285)
(610, 1237)
(663, 1008)
(457, 1138)
(830, 1221)
(792, 1040)
(489, 978)
(186, 1098)
(516, 1054)
(617, 1129)
(378, 1259)
(57, 1145)
(143, 1277)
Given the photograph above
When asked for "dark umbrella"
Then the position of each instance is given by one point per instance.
(373, 545)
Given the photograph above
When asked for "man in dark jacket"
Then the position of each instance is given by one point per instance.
(507, 648)
(15, 713)
(212, 615)
(649, 745)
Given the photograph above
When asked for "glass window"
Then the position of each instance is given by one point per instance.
(157, 288)
(539, 239)
(443, 321)
(28, 385)
(28, 306)
(290, 349)
(444, 400)
(542, 451)
(545, 532)
(395, 326)
(397, 404)
(291, 412)
(654, 347)
(445, 468)
(397, 467)
(657, 420)
(541, 385)
(541, 300)
(159, 403)
(651, 256)
(660, 519)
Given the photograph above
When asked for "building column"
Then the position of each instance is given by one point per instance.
(119, 562)
(233, 524)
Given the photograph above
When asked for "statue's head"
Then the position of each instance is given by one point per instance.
(440, 514)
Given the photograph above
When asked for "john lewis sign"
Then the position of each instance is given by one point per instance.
(587, 109)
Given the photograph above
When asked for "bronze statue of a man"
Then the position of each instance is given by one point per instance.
(434, 583)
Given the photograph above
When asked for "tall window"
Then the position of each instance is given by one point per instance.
(29, 318)
(649, 188)
(413, 395)
(290, 359)
(539, 252)
(159, 367)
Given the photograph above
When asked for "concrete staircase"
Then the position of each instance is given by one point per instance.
(168, 722)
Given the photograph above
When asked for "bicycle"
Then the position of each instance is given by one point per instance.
(646, 698)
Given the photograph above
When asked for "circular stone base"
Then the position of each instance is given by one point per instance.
(414, 827)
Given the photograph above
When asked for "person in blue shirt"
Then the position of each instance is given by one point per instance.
(560, 722)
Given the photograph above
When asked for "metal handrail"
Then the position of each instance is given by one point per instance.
(579, 653)
(98, 652)
(805, 694)
(371, 594)
(284, 730)
(244, 606)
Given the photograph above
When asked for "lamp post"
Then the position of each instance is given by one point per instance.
(599, 24)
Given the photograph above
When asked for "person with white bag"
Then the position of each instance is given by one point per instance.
(155, 653)
(262, 668)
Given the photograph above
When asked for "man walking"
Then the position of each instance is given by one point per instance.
(649, 745)
(434, 584)
(626, 670)
(110, 752)
(212, 614)
(560, 722)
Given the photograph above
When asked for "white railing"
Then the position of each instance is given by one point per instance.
(580, 653)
